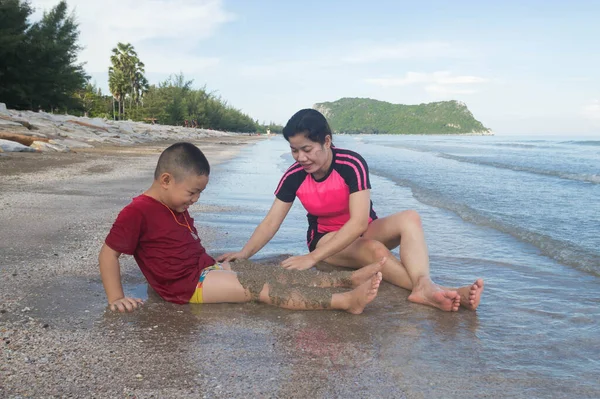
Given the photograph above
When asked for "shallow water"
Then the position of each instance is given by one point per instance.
(523, 214)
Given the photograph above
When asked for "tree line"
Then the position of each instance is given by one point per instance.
(39, 71)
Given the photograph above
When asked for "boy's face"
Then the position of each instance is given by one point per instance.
(180, 195)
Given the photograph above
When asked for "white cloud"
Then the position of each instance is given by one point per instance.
(366, 53)
(162, 31)
(447, 90)
(592, 110)
(440, 83)
(417, 50)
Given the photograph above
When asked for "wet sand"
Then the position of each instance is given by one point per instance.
(58, 339)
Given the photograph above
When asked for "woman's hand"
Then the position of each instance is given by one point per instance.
(303, 262)
(231, 256)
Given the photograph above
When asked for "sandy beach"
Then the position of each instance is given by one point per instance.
(57, 340)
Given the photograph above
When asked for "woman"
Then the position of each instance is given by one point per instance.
(333, 186)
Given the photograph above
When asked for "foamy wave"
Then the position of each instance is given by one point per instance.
(588, 178)
(593, 143)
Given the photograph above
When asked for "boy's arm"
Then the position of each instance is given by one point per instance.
(110, 271)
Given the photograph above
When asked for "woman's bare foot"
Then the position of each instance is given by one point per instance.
(362, 295)
(470, 296)
(363, 274)
(428, 293)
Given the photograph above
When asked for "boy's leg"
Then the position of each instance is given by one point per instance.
(311, 278)
(310, 298)
(221, 286)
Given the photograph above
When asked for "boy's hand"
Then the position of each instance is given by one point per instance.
(125, 304)
(231, 256)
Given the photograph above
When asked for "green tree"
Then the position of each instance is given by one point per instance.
(175, 100)
(92, 102)
(38, 62)
(126, 77)
(54, 73)
(13, 39)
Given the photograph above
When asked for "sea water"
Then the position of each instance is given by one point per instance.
(523, 213)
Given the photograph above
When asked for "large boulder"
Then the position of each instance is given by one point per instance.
(3, 110)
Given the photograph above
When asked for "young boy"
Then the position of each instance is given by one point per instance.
(158, 231)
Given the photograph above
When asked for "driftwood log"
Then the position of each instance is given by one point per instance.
(21, 138)
(88, 125)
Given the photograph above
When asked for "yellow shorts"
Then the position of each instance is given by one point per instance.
(197, 297)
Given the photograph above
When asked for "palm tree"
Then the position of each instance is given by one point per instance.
(126, 76)
(117, 86)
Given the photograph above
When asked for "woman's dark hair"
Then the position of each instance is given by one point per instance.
(310, 122)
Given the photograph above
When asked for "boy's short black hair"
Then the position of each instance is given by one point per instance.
(180, 159)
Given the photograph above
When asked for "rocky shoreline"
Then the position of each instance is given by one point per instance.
(28, 131)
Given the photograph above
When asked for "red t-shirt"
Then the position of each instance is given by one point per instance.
(169, 256)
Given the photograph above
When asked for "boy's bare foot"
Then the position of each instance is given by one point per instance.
(428, 293)
(470, 296)
(363, 274)
(362, 295)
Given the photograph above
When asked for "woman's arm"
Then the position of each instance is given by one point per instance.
(263, 233)
(360, 205)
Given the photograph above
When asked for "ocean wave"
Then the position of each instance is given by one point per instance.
(588, 178)
(518, 145)
(564, 252)
(593, 143)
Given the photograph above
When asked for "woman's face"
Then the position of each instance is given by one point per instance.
(314, 157)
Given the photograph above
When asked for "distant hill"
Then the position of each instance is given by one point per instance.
(364, 115)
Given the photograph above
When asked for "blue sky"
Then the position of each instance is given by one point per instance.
(526, 67)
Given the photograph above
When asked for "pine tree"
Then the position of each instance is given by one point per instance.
(38, 62)
(13, 39)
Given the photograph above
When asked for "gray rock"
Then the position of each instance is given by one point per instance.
(10, 124)
(74, 143)
(11, 146)
(53, 146)
(126, 128)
